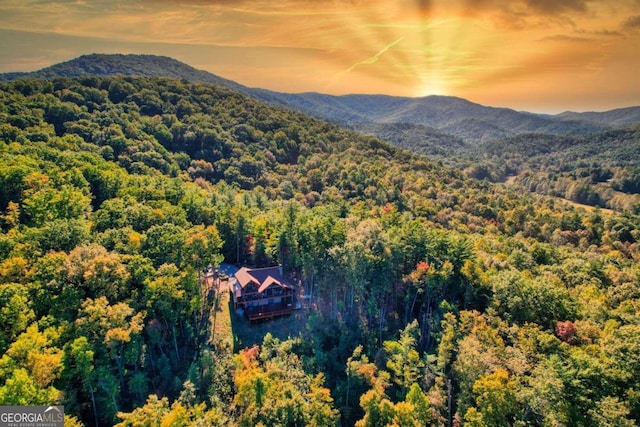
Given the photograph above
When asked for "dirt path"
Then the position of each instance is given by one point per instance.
(587, 207)
(220, 318)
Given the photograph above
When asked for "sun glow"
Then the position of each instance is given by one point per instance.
(432, 86)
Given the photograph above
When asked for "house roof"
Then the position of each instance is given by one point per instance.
(236, 290)
(262, 277)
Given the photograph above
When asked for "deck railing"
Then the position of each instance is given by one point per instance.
(268, 311)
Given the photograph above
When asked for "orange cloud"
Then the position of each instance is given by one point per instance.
(632, 23)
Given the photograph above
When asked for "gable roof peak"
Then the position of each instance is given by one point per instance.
(262, 277)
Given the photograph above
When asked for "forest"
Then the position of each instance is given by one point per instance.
(439, 297)
(599, 169)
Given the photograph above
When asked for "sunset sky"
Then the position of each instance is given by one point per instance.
(535, 55)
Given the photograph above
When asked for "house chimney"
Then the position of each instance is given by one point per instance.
(280, 270)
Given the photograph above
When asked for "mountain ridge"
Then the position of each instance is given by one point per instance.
(126, 65)
(453, 116)
(448, 114)
(617, 116)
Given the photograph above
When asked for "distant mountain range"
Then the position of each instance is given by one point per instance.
(429, 124)
(617, 117)
(458, 117)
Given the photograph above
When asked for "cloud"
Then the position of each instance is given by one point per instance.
(632, 23)
(424, 6)
(565, 38)
(557, 6)
(524, 7)
(608, 33)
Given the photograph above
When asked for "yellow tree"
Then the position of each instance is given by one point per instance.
(495, 401)
(29, 367)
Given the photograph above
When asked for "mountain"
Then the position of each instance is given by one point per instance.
(617, 117)
(125, 65)
(459, 118)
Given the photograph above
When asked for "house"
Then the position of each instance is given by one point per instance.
(262, 292)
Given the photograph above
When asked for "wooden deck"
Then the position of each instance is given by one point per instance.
(268, 311)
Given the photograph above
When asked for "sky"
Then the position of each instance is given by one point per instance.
(535, 55)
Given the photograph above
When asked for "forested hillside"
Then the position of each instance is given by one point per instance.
(457, 117)
(124, 65)
(437, 299)
(588, 158)
(601, 169)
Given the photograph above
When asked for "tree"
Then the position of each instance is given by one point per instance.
(421, 409)
(49, 204)
(611, 412)
(61, 113)
(403, 360)
(379, 411)
(113, 331)
(366, 258)
(148, 415)
(272, 389)
(15, 313)
(321, 412)
(29, 368)
(171, 298)
(107, 275)
(79, 377)
(165, 244)
(480, 351)
(158, 412)
(308, 239)
(524, 299)
(97, 272)
(495, 400)
(203, 244)
(20, 389)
